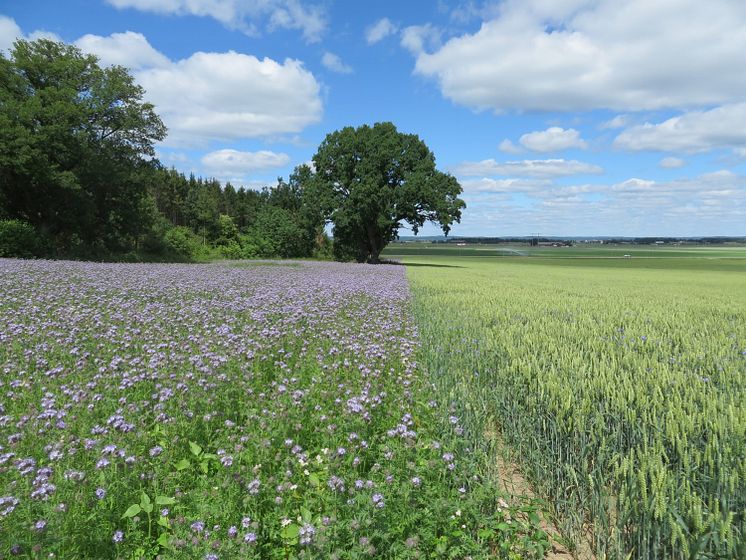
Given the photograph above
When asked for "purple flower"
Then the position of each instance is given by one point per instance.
(306, 534)
(378, 500)
(117, 537)
(198, 526)
(249, 538)
(100, 493)
(40, 525)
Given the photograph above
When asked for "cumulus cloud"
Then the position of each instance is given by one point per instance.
(332, 62)
(527, 168)
(10, 33)
(694, 131)
(212, 96)
(671, 163)
(553, 139)
(128, 49)
(232, 163)
(216, 96)
(417, 38)
(249, 16)
(380, 30)
(595, 54)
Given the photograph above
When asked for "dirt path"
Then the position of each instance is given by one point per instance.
(515, 485)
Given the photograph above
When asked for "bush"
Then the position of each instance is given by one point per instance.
(19, 239)
(180, 241)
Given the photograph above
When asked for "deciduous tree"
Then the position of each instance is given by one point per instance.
(372, 180)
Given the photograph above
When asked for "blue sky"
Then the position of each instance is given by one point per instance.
(565, 117)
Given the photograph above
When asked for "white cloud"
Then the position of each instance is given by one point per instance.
(417, 38)
(694, 131)
(332, 62)
(553, 139)
(487, 184)
(10, 33)
(380, 30)
(244, 15)
(232, 163)
(592, 54)
(620, 121)
(671, 163)
(226, 96)
(509, 148)
(128, 49)
(527, 168)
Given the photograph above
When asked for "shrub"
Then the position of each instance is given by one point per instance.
(19, 239)
(182, 242)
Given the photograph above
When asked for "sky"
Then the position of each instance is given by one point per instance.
(558, 117)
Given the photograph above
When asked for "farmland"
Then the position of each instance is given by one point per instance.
(617, 384)
(322, 410)
(223, 411)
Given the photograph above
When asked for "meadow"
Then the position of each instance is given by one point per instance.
(617, 384)
(257, 410)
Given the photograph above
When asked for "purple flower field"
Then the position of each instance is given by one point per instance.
(267, 410)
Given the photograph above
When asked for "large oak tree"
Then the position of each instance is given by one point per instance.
(372, 180)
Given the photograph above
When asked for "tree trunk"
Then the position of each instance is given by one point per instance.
(375, 245)
(373, 258)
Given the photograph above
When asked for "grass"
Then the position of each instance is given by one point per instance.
(618, 384)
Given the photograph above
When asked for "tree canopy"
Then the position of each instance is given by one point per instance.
(75, 141)
(372, 180)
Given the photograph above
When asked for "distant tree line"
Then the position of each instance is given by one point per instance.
(716, 240)
(79, 178)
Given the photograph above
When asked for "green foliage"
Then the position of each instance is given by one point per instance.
(182, 242)
(74, 140)
(19, 239)
(371, 181)
(277, 234)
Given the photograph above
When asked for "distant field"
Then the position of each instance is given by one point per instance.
(618, 383)
(577, 251)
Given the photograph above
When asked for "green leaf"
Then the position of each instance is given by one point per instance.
(181, 465)
(144, 500)
(313, 480)
(195, 449)
(147, 508)
(486, 533)
(163, 540)
(305, 514)
(290, 532)
(164, 522)
(164, 500)
(205, 466)
(132, 511)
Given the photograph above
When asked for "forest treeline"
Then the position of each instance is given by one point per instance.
(79, 177)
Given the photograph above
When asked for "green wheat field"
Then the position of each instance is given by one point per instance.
(617, 383)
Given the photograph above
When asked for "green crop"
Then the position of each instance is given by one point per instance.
(619, 386)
